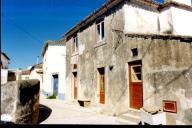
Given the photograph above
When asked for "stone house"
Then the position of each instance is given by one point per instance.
(54, 68)
(133, 53)
(4, 68)
(4, 61)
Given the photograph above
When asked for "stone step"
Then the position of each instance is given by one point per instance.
(131, 117)
(126, 122)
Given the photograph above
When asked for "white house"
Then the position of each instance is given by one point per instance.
(54, 68)
(36, 72)
(4, 68)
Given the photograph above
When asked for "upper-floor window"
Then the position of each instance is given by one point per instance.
(75, 43)
(100, 31)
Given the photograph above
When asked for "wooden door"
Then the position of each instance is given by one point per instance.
(102, 85)
(135, 85)
(102, 89)
(75, 85)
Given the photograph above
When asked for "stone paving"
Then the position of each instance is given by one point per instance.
(70, 113)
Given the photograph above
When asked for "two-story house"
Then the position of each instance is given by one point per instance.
(129, 54)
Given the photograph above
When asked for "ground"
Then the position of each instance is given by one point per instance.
(61, 112)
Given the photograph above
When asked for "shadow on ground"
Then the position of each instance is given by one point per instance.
(44, 113)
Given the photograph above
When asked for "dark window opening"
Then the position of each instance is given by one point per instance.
(75, 66)
(134, 52)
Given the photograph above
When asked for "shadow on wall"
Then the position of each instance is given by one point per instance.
(44, 113)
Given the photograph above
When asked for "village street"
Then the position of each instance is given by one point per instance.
(71, 113)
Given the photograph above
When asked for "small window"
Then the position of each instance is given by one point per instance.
(134, 52)
(100, 31)
(75, 66)
(75, 44)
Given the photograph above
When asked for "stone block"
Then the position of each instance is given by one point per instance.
(20, 100)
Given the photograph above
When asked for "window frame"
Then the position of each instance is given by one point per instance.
(133, 73)
(101, 32)
(75, 43)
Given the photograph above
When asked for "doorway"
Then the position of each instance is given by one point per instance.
(75, 84)
(101, 72)
(135, 85)
(55, 84)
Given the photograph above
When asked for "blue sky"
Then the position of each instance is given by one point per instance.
(27, 24)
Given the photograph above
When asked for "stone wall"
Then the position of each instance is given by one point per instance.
(20, 100)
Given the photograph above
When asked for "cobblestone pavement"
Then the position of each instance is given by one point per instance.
(70, 113)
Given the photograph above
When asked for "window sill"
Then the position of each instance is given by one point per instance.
(100, 43)
(75, 53)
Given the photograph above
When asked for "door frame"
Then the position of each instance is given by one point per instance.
(73, 82)
(53, 74)
(130, 63)
(98, 85)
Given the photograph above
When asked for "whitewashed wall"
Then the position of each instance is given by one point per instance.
(54, 62)
(25, 77)
(172, 20)
(4, 76)
(187, 2)
(182, 21)
(139, 20)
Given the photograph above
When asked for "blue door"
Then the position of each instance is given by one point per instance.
(55, 84)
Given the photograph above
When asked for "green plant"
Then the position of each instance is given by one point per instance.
(52, 97)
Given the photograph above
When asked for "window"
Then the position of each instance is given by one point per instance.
(100, 31)
(134, 52)
(136, 73)
(75, 44)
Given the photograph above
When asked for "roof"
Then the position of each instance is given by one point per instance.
(5, 55)
(161, 36)
(112, 3)
(51, 42)
(25, 72)
(39, 66)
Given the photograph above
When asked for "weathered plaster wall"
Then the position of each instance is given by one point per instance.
(91, 55)
(167, 76)
(166, 73)
(20, 100)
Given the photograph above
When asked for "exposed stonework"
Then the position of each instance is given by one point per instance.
(20, 100)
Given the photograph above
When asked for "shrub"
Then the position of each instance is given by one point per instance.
(52, 97)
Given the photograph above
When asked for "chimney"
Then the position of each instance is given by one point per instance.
(186, 2)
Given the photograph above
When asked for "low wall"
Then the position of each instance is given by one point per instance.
(20, 100)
